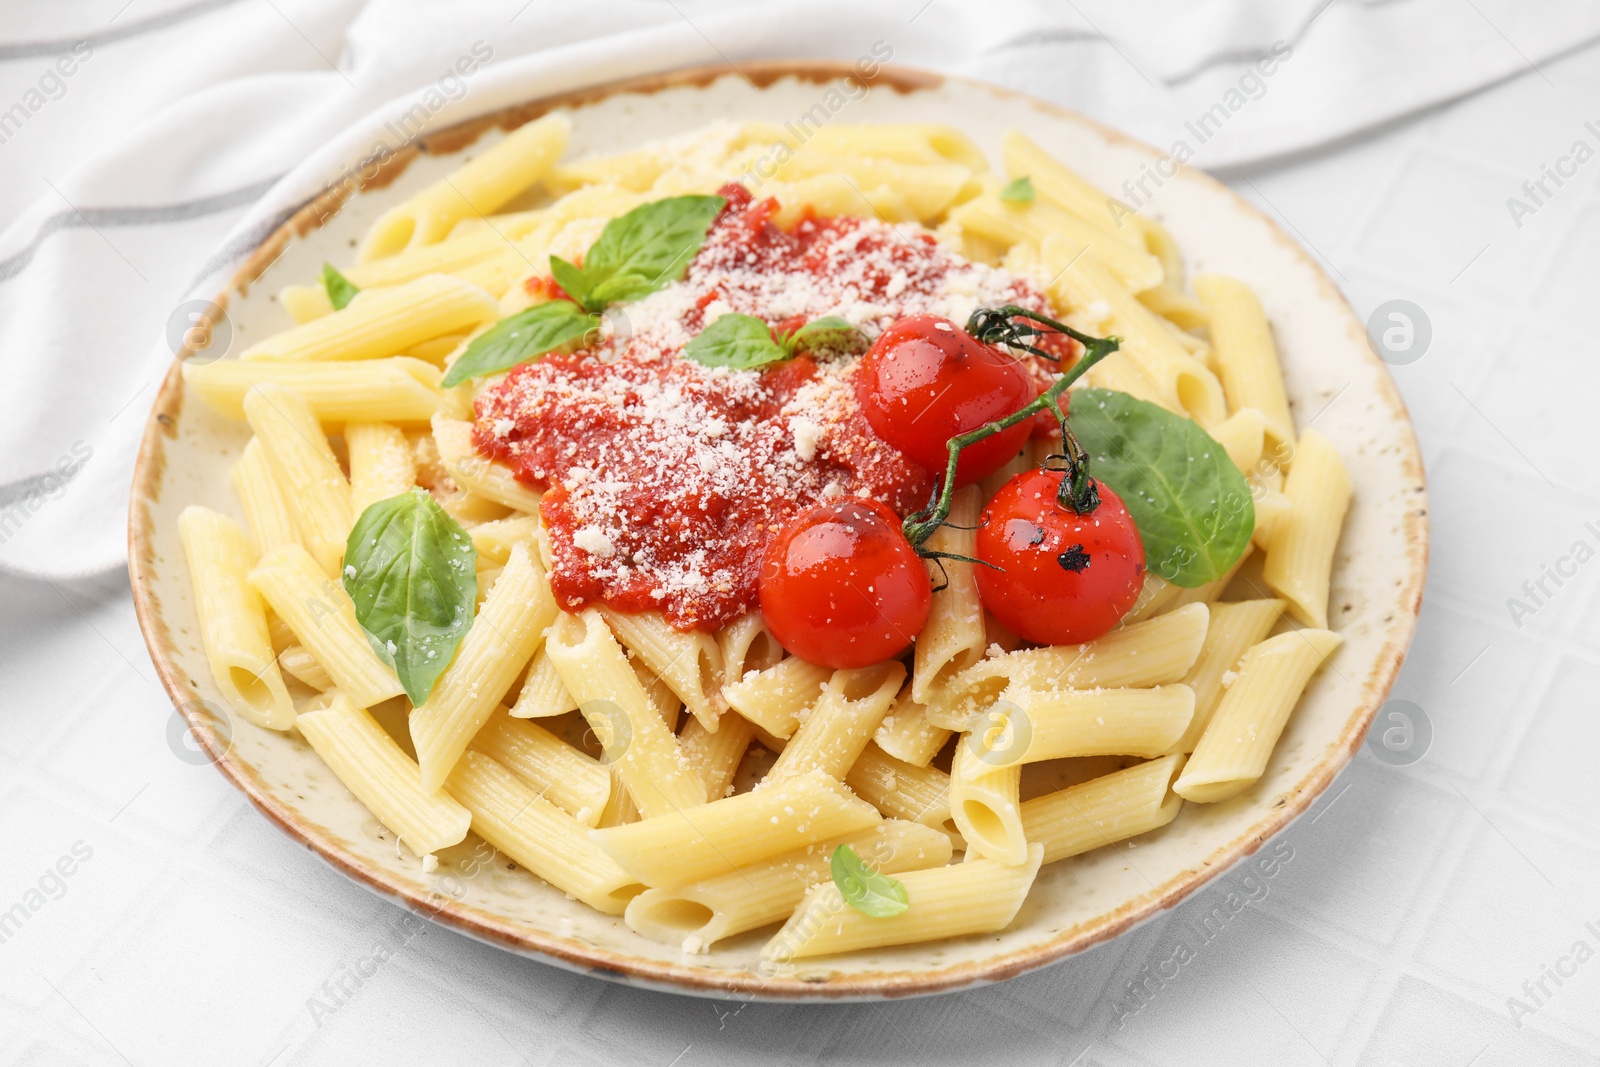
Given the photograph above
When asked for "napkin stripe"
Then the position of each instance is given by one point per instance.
(27, 49)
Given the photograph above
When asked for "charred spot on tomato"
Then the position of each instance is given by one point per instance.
(1073, 559)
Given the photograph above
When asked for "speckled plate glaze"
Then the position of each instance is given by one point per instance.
(1332, 375)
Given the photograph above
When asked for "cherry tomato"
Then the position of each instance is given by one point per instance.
(1066, 578)
(925, 380)
(842, 587)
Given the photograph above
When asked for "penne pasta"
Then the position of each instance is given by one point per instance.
(543, 694)
(1104, 810)
(1233, 751)
(689, 663)
(833, 734)
(323, 619)
(304, 465)
(538, 835)
(968, 898)
(1235, 628)
(266, 509)
(1040, 725)
(1303, 539)
(383, 322)
(488, 479)
(731, 834)
(382, 464)
(233, 623)
(637, 742)
(906, 734)
(1246, 356)
(953, 637)
(397, 390)
(571, 780)
(370, 764)
(698, 915)
(775, 698)
(504, 636)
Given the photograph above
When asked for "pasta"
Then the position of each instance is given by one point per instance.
(658, 581)
(1245, 727)
(382, 777)
(233, 624)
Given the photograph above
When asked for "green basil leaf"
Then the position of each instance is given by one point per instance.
(863, 888)
(1018, 191)
(521, 337)
(828, 334)
(341, 290)
(1193, 507)
(742, 342)
(411, 570)
(571, 278)
(647, 248)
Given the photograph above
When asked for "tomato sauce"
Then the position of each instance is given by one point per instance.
(666, 478)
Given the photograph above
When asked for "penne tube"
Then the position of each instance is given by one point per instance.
(698, 915)
(833, 734)
(538, 835)
(1156, 597)
(774, 698)
(1040, 725)
(1243, 436)
(952, 639)
(1246, 356)
(689, 663)
(1144, 654)
(986, 802)
(495, 539)
(902, 142)
(747, 646)
(323, 619)
(300, 664)
(1301, 546)
(715, 757)
(1178, 308)
(990, 217)
(573, 781)
(1183, 384)
(382, 464)
(637, 743)
(233, 622)
(479, 187)
(478, 473)
(734, 833)
(1104, 810)
(1056, 184)
(906, 734)
(380, 390)
(304, 465)
(504, 636)
(967, 898)
(383, 322)
(928, 188)
(543, 695)
(1235, 628)
(1233, 752)
(900, 790)
(266, 508)
(373, 767)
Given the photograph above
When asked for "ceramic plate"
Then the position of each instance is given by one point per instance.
(1333, 379)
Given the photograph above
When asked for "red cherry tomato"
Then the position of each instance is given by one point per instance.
(925, 380)
(1066, 578)
(842, 587)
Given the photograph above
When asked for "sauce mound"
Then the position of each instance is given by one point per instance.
(666, 478)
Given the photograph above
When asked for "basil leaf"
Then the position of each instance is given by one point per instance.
(1193, 507)
(521, 337)
(341, 290)
(1018, 191)
(828, 334)
(863, 888)
(647, 248)
(572, 279)
(410, 568)
(742, 342)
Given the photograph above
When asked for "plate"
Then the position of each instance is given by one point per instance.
(1333, 379)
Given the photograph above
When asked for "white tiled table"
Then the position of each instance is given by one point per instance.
(1417, 901)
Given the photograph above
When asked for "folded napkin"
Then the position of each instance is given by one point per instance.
(148, 146)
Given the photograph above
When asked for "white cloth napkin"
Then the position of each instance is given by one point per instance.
(146, 146)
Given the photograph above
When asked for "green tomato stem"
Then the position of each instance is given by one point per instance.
(993, 326)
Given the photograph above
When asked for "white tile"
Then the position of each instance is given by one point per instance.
(1260, 988)
(1363, 852)
(66, 885)
(1518, 901)
(1423, 1024)
(1554, 766)
(1471, 679)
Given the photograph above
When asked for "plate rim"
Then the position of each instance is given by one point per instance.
(485, 926)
